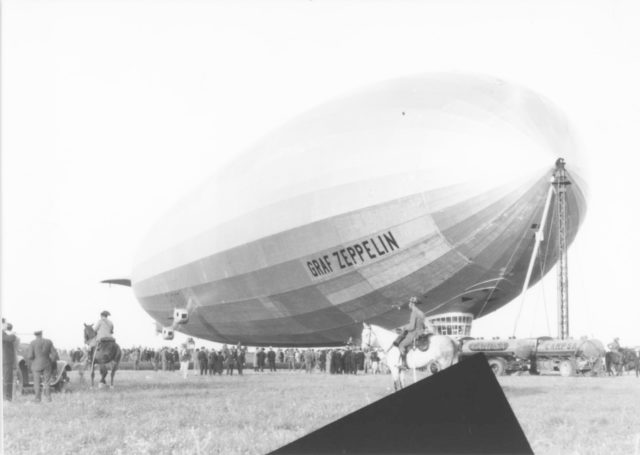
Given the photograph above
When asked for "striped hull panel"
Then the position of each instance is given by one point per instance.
(314, 285)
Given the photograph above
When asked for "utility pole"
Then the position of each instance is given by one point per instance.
(560, 184)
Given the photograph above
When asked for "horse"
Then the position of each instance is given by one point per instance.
(618, 361)
(442, 353)
(107, 352)
(613, 362)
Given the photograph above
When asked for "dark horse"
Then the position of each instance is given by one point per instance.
(617, 361)
(107, 351)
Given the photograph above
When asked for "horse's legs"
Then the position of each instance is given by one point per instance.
(103, 372)
(113, 371)
(395, 375)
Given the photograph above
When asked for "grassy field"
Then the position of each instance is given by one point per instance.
(159, 412)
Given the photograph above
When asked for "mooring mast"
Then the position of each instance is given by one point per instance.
(560, 183)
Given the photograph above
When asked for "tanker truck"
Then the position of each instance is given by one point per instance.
(538, 355)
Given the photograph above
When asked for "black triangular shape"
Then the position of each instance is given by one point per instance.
(460, 410)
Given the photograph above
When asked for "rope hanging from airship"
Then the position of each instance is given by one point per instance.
(495, 286)
(542, 260)
(543, 266)
(491, 290)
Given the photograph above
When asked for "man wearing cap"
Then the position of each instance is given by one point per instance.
(104, 328)
(412, 330)
(185, 358)
(615, 345)
(9, 347)
(40, 354)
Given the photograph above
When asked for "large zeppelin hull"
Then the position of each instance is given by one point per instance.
(309, 264)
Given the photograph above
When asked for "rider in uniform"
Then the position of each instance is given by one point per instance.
(104, 329)
(615, 345)
(413, 330)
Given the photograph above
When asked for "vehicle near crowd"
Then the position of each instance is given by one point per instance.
(24, 376)
(539, 355)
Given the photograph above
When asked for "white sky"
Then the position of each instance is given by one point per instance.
(111, 111)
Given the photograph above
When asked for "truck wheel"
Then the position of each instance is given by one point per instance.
(567, 368)
(498, 366)
(434, 367)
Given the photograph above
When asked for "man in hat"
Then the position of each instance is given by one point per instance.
(615, 345)
(104, 328)
(40, 354)
(10, 344)
(185, 358)
(411, 331)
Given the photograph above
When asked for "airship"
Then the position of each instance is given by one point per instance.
(431, 185)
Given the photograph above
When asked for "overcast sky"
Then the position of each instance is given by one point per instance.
(112, 111)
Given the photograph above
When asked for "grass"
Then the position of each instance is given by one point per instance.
(159, 412)
(577, 415)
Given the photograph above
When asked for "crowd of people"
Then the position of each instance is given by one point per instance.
(350, 359)
(346, 360)
(226, 360)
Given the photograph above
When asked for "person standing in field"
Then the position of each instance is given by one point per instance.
(375, 361)
(185, 358)
(330, 362)
(271, 359)
(308, 360)
(260, 357)
(231, 361)
(333, 365)
(299, 359)
(40, 354)
(196, 362)
(348, 360)
(220, 363)
(241, 359)
(290, 359)
(163, 358)
(322, 359)
(203, 360)
(211, 361)
(10, 344)
(359, 360)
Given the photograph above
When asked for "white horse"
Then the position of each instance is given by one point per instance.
(442, 352)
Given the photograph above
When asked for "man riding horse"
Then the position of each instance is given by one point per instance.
(409, 333)
(615, 345)
(103, 348)
(104, 330)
